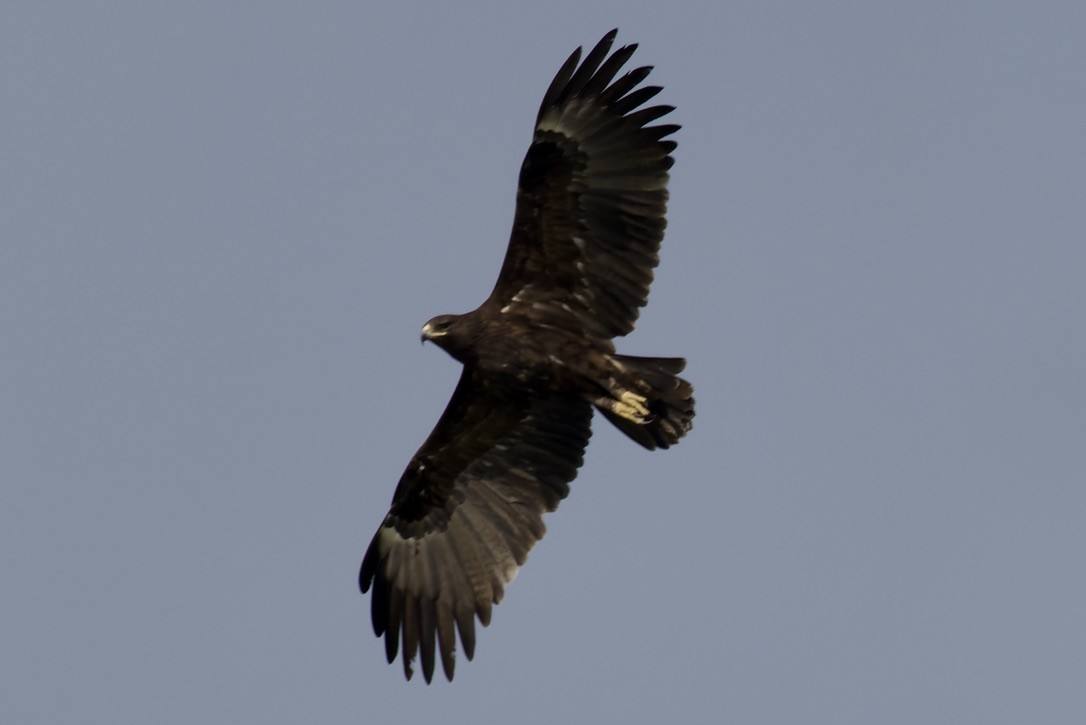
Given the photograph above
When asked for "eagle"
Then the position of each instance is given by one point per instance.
(538, 358)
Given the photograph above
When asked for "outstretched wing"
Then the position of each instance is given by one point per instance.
(591, 200)
(465, 514)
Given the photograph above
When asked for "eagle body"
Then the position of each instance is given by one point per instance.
(555, 361)
(538, 358)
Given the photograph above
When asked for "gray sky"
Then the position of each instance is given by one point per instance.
(222, 228)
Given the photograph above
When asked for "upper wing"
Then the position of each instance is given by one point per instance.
(591, 199)
(466, 512)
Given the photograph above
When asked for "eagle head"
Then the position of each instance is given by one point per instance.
(449, 332)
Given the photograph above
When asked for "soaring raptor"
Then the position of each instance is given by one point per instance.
(538, 358)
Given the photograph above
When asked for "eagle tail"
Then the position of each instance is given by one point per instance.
(648, 401)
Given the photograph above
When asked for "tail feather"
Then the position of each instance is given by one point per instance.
(649, 402)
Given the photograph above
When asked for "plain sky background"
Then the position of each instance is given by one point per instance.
(223, 224)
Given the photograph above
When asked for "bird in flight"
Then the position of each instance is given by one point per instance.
(537, 358)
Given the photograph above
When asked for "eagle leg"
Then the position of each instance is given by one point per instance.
(657, 416)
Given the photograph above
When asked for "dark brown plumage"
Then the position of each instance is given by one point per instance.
(537, 358)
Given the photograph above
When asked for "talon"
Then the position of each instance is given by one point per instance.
(634, 402)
